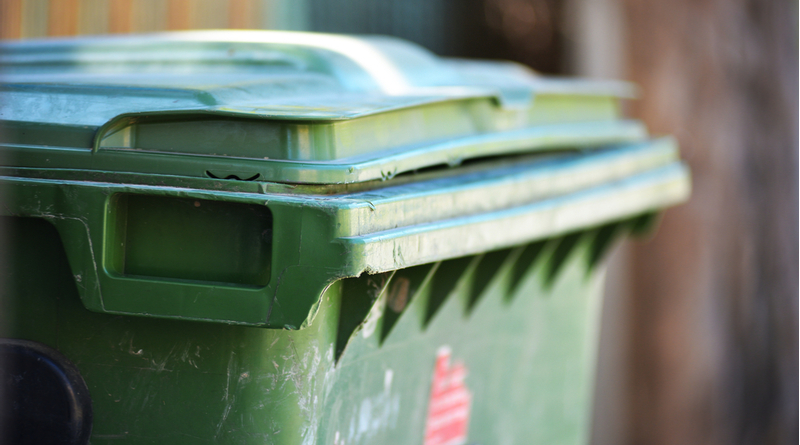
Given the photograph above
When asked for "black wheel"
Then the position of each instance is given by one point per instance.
(43, 398)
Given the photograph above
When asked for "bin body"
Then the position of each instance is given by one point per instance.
(223, 273)
(529, 354)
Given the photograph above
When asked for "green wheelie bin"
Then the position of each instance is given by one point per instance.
(253, 237)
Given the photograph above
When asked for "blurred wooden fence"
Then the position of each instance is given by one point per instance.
(715, 297)
(39, 18)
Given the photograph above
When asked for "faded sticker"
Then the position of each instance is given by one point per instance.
(448, 409)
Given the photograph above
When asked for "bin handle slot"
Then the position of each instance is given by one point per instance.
(237, 177)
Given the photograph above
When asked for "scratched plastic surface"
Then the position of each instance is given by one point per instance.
(267, 237)
(522, 321)
(336, 156)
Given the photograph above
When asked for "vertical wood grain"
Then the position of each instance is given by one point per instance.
(149, 16)
(211, 14)
(93, 16)
(35, 15)
(120, 16)
(180, 14)
(63, 18)
(714, 311)
(10, 19)
(243, 14)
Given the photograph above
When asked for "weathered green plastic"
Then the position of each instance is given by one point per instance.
(367, 202)
(132, 146)
(523, 320)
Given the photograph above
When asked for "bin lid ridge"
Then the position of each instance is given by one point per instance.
(392, 65)
(233, 96)
(268, 63)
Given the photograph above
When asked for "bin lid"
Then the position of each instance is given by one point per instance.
(284, 106)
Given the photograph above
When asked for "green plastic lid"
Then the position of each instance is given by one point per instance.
(284, 107)
(233, 176)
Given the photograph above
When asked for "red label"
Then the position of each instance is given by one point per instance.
(448, 409)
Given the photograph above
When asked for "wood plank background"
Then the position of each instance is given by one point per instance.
(714, 307)
(39, 18)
